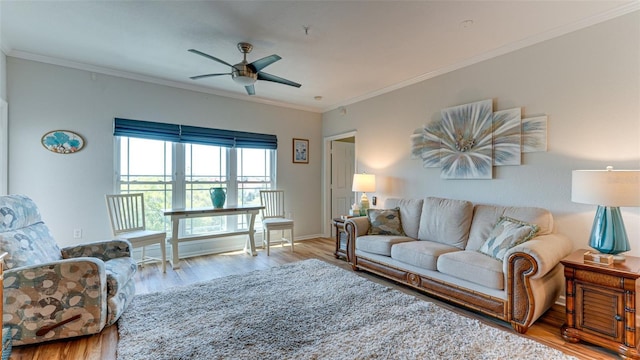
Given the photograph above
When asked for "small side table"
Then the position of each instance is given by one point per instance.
(341, 238)
(601, 303)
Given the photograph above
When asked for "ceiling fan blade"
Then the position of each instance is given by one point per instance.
(251, 90)
(277, 79)
(210, 57)
(264, 62)
(206, 75)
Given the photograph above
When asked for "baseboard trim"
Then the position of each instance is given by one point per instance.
(209, 246)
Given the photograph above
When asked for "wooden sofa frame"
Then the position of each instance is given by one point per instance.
(521, 268)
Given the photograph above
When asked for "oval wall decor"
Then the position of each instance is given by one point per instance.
(62, 141)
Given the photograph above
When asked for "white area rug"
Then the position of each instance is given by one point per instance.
(307, 310)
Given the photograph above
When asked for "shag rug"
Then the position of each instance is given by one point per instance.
(307, 310)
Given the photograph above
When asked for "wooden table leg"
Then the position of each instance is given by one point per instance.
(250, 248)
(175, 258)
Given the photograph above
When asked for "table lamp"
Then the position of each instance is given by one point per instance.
(609, 189)
(364, 183)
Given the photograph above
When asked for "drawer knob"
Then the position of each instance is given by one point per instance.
(618, 318)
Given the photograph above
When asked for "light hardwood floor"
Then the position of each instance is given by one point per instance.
(150, 279)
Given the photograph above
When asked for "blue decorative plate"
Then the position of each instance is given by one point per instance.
(62, 141)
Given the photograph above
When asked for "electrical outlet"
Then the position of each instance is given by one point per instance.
(374, 200)
(77, 233)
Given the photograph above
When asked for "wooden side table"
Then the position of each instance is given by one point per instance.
(601, 303)
(341, 238)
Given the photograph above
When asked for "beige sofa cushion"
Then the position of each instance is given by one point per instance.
(446, 221)
(485, 218)
(410, 210)
(379, 244)
(473, 266)
(423, 254)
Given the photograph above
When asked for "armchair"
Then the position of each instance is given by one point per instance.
(52, 293)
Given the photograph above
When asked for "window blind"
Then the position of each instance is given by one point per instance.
(193, 134)
(146, 130)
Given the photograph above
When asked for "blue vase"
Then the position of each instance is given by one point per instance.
(218, 197)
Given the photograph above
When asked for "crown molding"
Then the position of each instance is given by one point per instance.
(151, 79)
(548, 35)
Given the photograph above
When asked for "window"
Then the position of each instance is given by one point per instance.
(180, 174)
(145, 166)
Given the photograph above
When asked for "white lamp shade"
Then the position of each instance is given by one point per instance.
(606, 187)
(364, 183)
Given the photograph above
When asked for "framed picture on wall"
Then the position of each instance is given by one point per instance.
(300, 151)
(62, 141)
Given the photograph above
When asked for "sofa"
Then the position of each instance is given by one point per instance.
(501, 261)
(52, 293)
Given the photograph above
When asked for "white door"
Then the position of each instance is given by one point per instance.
(342, 169)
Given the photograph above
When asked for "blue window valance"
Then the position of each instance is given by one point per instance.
(193, 134)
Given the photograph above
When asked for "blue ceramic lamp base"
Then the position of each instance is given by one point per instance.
(608, 235)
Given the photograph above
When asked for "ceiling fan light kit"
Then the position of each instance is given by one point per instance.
(243, 76)
(245, 73)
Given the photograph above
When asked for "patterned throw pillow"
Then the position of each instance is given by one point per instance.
(385, 222)
(506, 234)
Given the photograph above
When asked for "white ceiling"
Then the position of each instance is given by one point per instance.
(352, 49)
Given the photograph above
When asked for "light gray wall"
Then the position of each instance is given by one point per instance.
(69, 189)
(3, 64)
(587, 82)
(4, 126)
(3, 75)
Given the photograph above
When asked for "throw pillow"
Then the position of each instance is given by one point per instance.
(506, 234)
(385, 222)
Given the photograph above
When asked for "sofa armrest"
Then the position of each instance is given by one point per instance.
(354, 227)
(103, 250)
(545, 250)
(533, 276)
(360, 225)
(55, 300)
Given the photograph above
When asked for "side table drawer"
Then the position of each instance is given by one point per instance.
(596, 278)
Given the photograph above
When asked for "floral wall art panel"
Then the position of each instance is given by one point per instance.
(534, 131)
(467, 142)
(426, 144)
(507, 137)
(470, 139)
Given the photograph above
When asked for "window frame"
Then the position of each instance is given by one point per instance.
(178, 179)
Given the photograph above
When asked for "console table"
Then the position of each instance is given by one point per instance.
(178, 214)
(601, 303)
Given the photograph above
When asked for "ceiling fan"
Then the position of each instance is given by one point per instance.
(245, 73)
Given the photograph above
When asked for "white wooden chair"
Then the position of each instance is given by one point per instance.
(126, 212)
(273, 217)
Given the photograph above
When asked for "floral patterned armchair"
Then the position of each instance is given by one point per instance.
(52, 293)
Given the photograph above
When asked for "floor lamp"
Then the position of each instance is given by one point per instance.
(609, 189)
